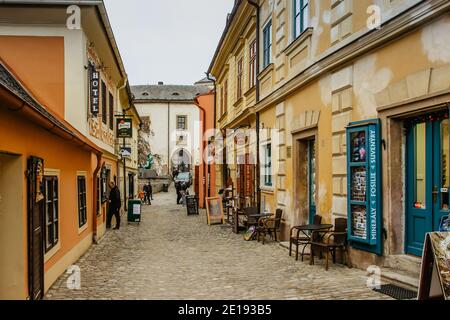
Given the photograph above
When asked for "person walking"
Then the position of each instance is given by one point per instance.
(150, 191)
(178, 189)
(147, 195)
(114, 206)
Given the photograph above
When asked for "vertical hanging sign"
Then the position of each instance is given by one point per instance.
(364, 185)
(94, 89)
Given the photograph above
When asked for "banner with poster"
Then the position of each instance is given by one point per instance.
(214, 210)
(124, 128)
(435, 274)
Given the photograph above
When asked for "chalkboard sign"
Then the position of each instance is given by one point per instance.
(435, 274)
(192, 205)
(214, 210)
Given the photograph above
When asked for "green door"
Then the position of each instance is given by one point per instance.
(312, 179)
(428, 178)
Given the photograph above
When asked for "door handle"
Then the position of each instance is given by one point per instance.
(435, 194)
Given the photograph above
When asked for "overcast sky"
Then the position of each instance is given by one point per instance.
(170, 41)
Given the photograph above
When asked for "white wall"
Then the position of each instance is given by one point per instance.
(163, 142)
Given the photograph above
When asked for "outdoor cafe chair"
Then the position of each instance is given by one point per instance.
(270, 225)
(301, 240)
(329, 241)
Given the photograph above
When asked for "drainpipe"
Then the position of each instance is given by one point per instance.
(208, 76)
(258, 160)
(94, 198)
(168, 138)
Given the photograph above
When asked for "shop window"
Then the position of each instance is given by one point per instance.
(268, 165)
(364, 185)
(51, 212)
(82, 206)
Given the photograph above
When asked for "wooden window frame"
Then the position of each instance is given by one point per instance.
(267, 44)
(82, 200)
(225, 97)
(111, 110)
(252, 64)
(53, 221)
(240, 74)
(185, 122)
(104, 108)
(301, 7)
(268, 173)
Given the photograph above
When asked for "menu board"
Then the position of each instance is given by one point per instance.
(435, 274)
(364, 185)
(214, 210)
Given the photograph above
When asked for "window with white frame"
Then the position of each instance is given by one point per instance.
(267, 172)
(301, 16)
(267, 44)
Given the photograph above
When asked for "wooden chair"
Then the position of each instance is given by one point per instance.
(329, 241)
(301, 240)
(248, 212)
(269, 225)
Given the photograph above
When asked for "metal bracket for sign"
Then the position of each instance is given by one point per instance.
(369, 206)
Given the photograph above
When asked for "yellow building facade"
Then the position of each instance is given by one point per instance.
(326, 65)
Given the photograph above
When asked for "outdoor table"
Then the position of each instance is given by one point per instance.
(311, 228)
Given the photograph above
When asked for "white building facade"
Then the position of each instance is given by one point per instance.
(174, 121)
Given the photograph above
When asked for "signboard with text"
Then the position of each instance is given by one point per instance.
(94, 89)
(124, 128)
(435, 273)
(364, 185)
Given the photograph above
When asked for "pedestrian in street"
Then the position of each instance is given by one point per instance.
(178, 189)
(150, 190)
(114, 206)
(147, 194)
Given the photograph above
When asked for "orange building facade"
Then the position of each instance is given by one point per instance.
(56, 155)
(207, 175)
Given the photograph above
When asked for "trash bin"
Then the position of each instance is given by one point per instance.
(165, 187)
(134, 210)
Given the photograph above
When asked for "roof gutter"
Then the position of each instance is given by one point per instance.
(16, 104)
(224, 34)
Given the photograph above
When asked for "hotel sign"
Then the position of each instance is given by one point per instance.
(94, 90)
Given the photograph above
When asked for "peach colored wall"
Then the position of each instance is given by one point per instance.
(57, 154)
(207, 103)
(39, 63)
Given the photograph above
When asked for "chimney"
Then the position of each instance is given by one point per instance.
(160, 83)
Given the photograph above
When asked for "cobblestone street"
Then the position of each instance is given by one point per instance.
(173, 256)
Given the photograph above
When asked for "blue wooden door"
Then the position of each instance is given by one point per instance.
(427, 180)
(312, 179)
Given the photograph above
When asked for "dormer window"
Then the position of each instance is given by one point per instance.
(145, 94)
(175, 94)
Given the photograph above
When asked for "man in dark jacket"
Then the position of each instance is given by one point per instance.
(147, 194)
(114, 206)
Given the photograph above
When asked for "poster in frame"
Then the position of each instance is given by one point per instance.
(214, 210)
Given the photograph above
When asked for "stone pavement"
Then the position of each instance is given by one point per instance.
(173, 256)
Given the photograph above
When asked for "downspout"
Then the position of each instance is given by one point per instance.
(208, 76)
(258, 160)
(203, 113)
(168, 138)
(94, 198)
